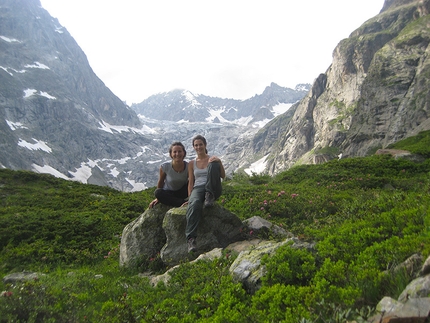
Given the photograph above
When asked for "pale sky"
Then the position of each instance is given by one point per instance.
(223, 48)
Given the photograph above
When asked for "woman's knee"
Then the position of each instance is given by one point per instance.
(158, 192)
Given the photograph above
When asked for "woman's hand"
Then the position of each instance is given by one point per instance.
(184, 204)
(153, 203)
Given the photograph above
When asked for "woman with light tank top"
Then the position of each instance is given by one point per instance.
(172, 186)
(204, 187)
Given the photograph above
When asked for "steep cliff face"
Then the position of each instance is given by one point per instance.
(375, 92)
(54, 111)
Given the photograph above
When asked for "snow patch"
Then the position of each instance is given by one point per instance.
(30, 92)
(6, 70)
(59, 30)
(10, 40)
(39, 145)
(190, 98)
(262, 123)
(82, 173)
(154, 162)
(281, 108)
(257, 167)
(46, 169)
(46, 95)
(15, 125)
(37, 65)
(136, 186)
(111, 128)
(216, 113)
(114, 172)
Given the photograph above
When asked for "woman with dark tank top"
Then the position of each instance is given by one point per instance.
(204, 187)
(172, 186)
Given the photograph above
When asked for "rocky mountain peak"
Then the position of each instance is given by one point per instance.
(180, 105)
(374, 93)
(392, 4)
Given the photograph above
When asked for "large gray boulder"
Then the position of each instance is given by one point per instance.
(144, 237)
(162, 230)
(217, 229)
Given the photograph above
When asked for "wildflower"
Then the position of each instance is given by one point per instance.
(250, 200)
(262, 208)
(269, 192)
(279, 194)
(251, 232)
(294, 195)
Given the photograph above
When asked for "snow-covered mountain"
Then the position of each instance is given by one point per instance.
(184, 106)
(58, 117)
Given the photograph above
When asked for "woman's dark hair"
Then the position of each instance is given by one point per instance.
(177, 143)
(200, 137)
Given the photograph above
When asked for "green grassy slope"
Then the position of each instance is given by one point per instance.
(367, 215)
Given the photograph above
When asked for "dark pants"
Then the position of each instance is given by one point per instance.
(197, 198)
(172, 198)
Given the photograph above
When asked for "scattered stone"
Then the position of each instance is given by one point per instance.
(20, 277)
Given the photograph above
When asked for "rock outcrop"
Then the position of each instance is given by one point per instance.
(413, 304)
(217, 229)
(144, 237)
(374, 93)
(247, 267)
(162, 230)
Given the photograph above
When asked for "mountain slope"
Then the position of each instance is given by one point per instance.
(58, 117)
(375, 93)
(54, 111)
(181, 105)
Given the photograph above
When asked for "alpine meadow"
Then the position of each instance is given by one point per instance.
(366, 216)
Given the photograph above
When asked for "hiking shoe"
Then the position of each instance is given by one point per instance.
(209, 199)
(192, 245)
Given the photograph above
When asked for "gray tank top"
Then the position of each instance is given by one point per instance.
(174, 180)
(200, 175)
